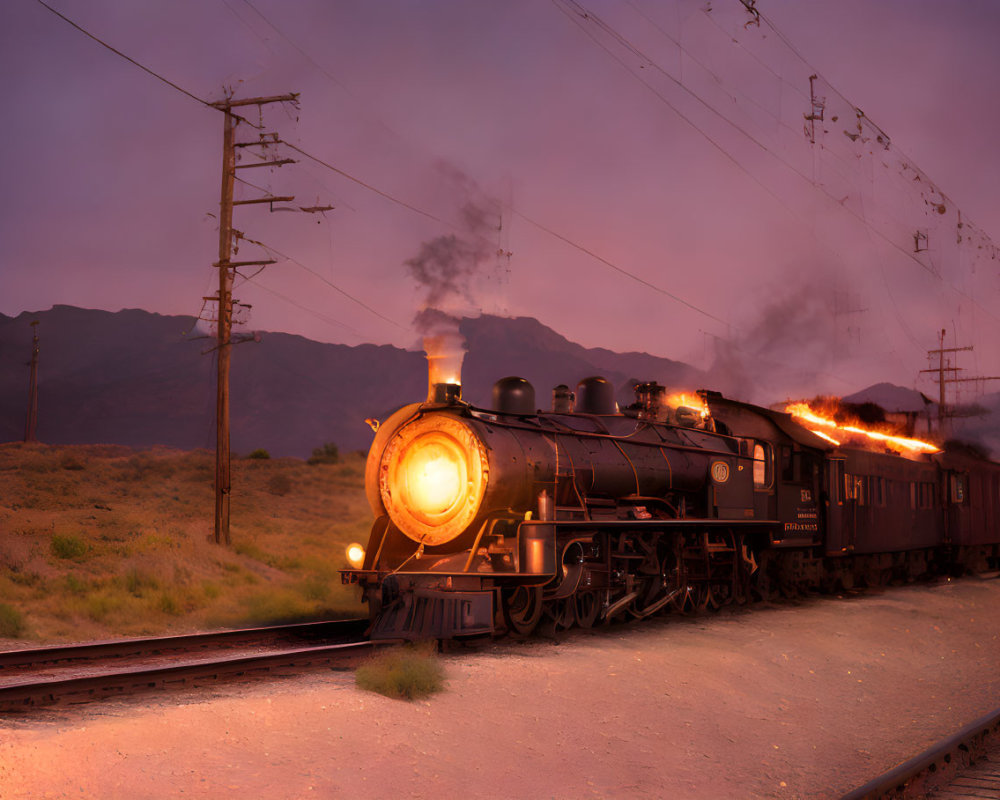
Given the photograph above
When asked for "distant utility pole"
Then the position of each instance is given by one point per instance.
(32, 421)
(227, 269)
(944, 414)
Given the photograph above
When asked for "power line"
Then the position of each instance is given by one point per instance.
(159, 77)
(327, 319)
(268, 248)
(216, 107)
(319, 67)
(526, 218)
(387, 195)
(618, 269)
(580, 16)
(371, 188)
(301, 52)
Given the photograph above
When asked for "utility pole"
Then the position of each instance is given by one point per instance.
(227, 269)
(942, 368)
(32, 421)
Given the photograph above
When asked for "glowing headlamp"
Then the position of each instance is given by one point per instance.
(356, 555)
(432, 478)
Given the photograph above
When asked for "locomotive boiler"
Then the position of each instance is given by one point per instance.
(504, 518)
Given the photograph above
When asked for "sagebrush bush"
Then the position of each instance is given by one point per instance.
(11, 621)
(406, 673)
(68, 546)
(169, 604)
(71, 462)
(329, 453)
(138, 582)
(260, 453)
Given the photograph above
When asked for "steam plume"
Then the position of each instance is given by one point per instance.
(446, 269)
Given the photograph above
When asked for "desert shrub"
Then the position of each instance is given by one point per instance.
(11, 621)
(68, 546)
(137, 582)
(99, 606)
(73, 585)
(259, 453)
(25, 578)
(279, 485)
(71, 462)
(407, 673)
(151, 542)
(211, 590)
(142, 466)
(247, 548)
(169, 604)
(329, 453)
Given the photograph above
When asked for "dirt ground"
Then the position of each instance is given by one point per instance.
(797, 701)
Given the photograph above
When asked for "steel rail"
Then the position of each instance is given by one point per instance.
(897, 781)
(153, 645)
(26, 695)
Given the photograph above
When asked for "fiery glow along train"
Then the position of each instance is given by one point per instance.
(498, 520)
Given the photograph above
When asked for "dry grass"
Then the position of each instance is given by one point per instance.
(405, 673)
(105, 541)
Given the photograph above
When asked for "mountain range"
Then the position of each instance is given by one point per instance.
(137, 378)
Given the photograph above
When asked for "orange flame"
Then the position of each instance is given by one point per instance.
(827, 437)
(809, 418)
(688, 400)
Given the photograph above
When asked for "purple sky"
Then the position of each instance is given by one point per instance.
(664, 137)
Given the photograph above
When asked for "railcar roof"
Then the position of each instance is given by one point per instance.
(782, 421)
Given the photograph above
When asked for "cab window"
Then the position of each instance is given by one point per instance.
(761, 466)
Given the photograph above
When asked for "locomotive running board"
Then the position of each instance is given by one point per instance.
(595, 524)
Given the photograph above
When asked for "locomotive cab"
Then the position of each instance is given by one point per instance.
(789, 470)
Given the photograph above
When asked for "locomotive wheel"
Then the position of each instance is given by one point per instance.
(649, 587)
(682, 601)
(722, 594)
(703, 597)
(522, 609)
(588, 607)
(557, 616)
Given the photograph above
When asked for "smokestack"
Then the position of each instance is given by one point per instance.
(445, 349)
(445, 353)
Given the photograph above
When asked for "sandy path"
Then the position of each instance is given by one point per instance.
(790, 702)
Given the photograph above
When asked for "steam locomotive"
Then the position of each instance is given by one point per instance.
(500, 520)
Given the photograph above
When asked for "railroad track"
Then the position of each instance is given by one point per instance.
(965, 765)
(80, 673)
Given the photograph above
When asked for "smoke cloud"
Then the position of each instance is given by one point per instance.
(792, 343)
(448, 269)
(445, 266)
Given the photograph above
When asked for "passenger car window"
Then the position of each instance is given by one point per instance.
(958, 488)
